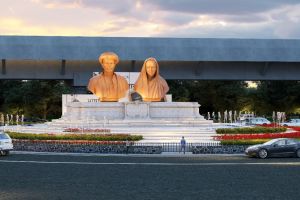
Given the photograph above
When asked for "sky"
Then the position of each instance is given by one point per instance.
(152, 18)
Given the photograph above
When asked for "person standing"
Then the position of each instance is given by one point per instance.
(127, 146)
(182, 145)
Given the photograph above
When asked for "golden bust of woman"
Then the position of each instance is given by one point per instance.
(108, 86)
(150, 85)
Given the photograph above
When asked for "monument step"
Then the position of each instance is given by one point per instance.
(63, 125)
(150, 131)
(171, 136)
(177, 140)
(168, 131)
(179, 134)
(148, 134)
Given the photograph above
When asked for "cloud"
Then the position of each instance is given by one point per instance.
(170, 18)
(179, 11)
(229, 7)
(254, 18)
(153, 18)
(12, 26)
(55, 4)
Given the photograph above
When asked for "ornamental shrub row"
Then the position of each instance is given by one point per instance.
(249, 130)
(257, 136)
(71, 142)
(91, 137)
(103, 130)
(243, 142)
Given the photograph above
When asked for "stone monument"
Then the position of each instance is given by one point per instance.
(138, 117)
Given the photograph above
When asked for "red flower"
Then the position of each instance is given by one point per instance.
(257, 136)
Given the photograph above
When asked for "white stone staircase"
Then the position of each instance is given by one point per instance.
(151, 134)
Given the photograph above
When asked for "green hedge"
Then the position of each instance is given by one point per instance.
(92, 137)
(249, 130)
(243, 142)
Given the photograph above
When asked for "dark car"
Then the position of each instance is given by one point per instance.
(275, 148)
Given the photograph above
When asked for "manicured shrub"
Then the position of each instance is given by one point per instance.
(72, 142)
(243, 142)
(78, 130)
(91, 137)
(249, 130)
(257, 136)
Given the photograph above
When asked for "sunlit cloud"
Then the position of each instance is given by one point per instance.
(20, 27)
(59, 4)
(207, 21)
(154, 18)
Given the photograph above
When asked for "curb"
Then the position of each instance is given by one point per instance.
(164, 154)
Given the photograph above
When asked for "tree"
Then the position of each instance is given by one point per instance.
(40, 99)
(11, 95)
(179, 90)
(44, 97)
(277, 96)
(211, 95)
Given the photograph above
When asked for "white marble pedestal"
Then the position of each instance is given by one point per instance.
(131, 113)
(156, 121)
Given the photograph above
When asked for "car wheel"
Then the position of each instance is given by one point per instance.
(4, 153)
(298, 153)
(262, 153)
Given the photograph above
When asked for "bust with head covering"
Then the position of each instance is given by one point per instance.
(108, 86)
(150, 85)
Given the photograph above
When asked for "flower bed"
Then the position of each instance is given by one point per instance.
(248, 130)
(257, 136)
(295, 128)
(91, 137)
(243, 142)
(80, 142)
(76, 130)
(270, 125)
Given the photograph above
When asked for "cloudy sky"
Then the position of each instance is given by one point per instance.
(152, 18)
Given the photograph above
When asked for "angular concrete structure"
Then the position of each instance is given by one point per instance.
(75, 58)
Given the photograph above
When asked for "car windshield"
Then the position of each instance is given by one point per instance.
(271, 142)
(3, 136)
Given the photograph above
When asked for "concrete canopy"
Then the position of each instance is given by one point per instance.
(75, 58)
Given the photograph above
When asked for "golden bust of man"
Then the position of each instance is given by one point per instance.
(108, 86)
(150, 85)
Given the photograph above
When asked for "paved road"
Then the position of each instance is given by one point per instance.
(85, 176)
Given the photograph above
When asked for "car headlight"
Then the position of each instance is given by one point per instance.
(253, 148)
